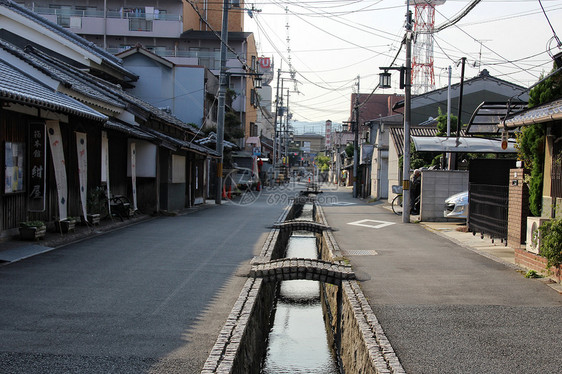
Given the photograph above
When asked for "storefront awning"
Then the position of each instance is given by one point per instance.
(463, 145)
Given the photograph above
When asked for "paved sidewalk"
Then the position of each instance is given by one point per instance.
(449, 302)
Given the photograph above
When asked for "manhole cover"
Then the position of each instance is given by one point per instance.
(358, 252)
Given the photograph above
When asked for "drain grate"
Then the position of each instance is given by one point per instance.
(360, 252)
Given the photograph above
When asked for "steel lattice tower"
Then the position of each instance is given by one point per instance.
(423, 77)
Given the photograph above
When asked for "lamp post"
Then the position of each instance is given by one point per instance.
(406, 83)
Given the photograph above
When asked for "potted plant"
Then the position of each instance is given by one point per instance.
(32, 230)
(65, 225)
(96, 205)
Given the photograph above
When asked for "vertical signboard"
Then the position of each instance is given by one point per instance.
(36, 196)
(81, 149)
(57, 152)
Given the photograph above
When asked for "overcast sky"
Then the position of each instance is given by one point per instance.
(332, 42)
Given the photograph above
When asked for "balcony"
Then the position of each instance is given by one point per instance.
(119, 22)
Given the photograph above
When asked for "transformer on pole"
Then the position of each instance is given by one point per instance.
(423, 77)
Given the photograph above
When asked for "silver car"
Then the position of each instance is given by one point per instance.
(456, 206)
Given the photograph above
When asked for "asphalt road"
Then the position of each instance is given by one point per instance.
(149, 298)
(443, 307)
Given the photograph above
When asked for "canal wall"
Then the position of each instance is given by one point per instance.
(355, 331)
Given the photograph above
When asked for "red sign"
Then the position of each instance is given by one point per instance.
(265, 62)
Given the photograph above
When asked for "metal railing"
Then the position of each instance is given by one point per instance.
(119, 14)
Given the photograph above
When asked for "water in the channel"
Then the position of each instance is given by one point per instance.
(297, 341)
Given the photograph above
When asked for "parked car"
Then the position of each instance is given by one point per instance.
(245, 179)
(456, 206)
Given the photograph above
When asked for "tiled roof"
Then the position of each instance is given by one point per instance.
(178, 143)
(96, 88)
(21, 88)
(543, 113)
(128, 129)
(107, 57)
(69, 76)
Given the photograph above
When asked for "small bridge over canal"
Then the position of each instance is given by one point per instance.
(312, 226)
(302, 268)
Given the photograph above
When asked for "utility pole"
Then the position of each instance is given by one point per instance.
(356, 142)
(449, 158)
(274, 161)
(407, 115)
(459, 117)
(287, 134)
(221, 102)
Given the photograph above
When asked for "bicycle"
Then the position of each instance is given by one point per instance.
(397, 202)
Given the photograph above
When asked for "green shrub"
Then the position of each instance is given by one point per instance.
(551, 242)
(32, 224)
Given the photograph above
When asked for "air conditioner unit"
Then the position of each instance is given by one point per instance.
(533, 238)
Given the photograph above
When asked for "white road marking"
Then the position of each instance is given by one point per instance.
(371, 223)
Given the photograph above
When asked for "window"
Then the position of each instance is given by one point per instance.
(253, 129)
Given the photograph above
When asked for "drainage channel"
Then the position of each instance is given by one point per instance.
(300, 310)
(298, 340)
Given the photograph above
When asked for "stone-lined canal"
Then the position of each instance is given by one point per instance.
(301, 309)
(298, 342)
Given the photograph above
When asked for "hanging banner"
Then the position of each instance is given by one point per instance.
(105, 166)
(134, 174)
(57, 152)
(81, 150)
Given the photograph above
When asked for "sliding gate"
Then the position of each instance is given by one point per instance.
(488, 194)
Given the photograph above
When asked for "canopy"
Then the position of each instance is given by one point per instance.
(464, 145)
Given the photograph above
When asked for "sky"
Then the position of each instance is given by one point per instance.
(335, 45)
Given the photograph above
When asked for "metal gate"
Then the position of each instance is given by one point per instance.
(488, 194)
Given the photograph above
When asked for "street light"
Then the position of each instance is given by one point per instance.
(384, 77)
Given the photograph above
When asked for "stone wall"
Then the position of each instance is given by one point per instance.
(436, 187)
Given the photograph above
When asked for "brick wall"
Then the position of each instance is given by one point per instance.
(518, 209)
(535, 262)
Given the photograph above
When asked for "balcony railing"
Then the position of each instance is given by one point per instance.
(120, 14)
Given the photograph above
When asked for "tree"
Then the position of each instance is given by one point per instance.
(323, 162)
(442, 123)
(530, 142)
(349, 150)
